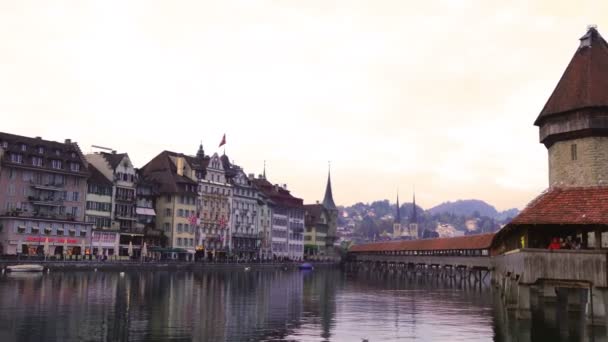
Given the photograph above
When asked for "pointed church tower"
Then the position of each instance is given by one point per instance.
(397, 223)
(413, 226)
(328, 200)
(200, 153)
(332, 210)
(573, 125)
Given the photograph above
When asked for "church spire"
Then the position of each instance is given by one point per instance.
(200, 153)
(328, 200)
(264, 172)
(398, 216)
(414, 215)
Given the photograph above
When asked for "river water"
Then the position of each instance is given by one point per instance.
(264, 305)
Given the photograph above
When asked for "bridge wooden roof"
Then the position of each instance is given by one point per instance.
(480, 241)
(574, 206)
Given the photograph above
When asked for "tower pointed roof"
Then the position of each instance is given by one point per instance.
(398, 215)
(200, 153)
(328, 200)
(584, 84)
(414, 214)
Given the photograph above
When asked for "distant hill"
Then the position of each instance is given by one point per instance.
(472, 207)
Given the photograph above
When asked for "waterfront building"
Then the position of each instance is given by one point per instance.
(176, 193)
(287, 220)
(315, 235)
(106, 232)
(216, 201)
(244, 220)
(117, 168)
(146, 215)
(265, 206)
(43, 187)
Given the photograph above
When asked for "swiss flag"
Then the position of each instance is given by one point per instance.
(223, 142)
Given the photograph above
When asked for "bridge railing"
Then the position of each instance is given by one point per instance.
(468, 261)
(532, 264)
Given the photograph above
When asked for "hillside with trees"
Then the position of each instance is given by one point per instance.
(373, 221)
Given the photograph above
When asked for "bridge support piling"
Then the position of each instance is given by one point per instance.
(523, 310)
(597, 306)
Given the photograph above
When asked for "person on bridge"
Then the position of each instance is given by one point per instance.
(555, 244)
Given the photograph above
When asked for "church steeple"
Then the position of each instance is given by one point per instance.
(398, 215)
(414, 215)
(328, 200)
(200, 153)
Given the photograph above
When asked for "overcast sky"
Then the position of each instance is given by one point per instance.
(440, 95)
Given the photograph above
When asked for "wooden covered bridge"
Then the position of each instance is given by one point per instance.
(466, 256)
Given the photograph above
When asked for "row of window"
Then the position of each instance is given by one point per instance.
(184, 212)
(100, 222)
(185, 228)
(99, 206)
(125, 177)
(185, 242)
(99, 189)
(17, 158)
(59, 231)
(42, 178)
(39, 149)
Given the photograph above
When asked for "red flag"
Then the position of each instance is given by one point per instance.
(223, 142)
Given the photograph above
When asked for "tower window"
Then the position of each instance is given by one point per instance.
(573, 153)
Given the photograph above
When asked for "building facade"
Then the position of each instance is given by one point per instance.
(43, 187)
(244, 222)
(118, 168)
(105, 237)
(215, 209)
(175, 202)
(287, 223)
(315, 235)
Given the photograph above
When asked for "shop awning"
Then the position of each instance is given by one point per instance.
(145, 211)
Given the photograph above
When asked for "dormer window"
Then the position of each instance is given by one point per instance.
(73, 154)
(23, 147)
(57, 152)
(4, 144)
(40, 150)
(56, 164)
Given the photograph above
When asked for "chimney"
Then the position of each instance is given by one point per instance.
(179, 161)
(284, 186)
(68, 141)
(38, 138)
(251, 176)
(317, 201)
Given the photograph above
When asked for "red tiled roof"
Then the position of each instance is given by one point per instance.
(567, 206)
(480, 241)
(584, 83)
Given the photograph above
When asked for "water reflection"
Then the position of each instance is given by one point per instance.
(266, 305)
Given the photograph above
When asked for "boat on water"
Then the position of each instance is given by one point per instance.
(305, 266)
(25, 268)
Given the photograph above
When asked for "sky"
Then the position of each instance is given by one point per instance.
(439, 96)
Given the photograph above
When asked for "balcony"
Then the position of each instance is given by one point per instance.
(45, 201)
(125, 198)
(246, 235)
(47, 186)
(125, 216)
